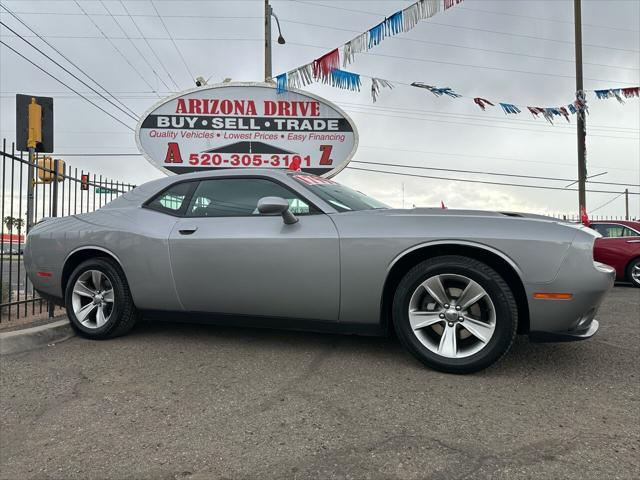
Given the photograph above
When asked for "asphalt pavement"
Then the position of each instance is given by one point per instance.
(175, 401)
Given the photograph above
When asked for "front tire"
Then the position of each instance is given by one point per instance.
(98, 300)
(455, 314)
(633, 272)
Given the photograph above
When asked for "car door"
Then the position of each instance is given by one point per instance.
(228, 258)
(617, 246)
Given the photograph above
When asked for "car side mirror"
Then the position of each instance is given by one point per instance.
(277, 206)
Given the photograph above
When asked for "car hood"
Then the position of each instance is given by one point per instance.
(439, 212)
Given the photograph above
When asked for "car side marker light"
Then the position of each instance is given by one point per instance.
(552, 296)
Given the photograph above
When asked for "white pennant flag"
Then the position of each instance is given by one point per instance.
(376, 85)
(357, 45)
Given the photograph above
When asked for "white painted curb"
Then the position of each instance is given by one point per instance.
(29, 338)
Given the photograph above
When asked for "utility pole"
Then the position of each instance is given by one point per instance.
(626, 204)
(267, 41)
(582, 127)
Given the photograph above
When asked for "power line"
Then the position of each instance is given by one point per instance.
(484, 67)
(144, 58)
(182, 39)
(487, 157)
(189, 72)
(474, 172)
(333, 7)
(210, 17)
(555, 20)
(465, 47)
(135, 118)
(481, 125)
(64, 84)
(66, 58)
(496, 174)
(149, 46)
(607, 203)
(114, 46)
(465, 180)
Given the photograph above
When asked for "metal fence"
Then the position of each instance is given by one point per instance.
(65, 191)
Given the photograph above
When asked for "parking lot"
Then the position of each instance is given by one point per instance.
(174, 401)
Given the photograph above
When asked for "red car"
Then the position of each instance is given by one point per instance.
(619, 247)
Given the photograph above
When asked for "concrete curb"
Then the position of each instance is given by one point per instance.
(29, 338)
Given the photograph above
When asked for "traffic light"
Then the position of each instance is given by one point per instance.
(46, 170)
(34, 123)
(84, 182)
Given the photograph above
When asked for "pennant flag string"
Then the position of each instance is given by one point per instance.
(400, 22)
(325, 69)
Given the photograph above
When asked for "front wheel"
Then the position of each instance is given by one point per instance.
(98, 301)
(455, 314)
(633, 272)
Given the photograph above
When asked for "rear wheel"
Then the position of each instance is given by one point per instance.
(98, 301)
(633, 272)
(455, 314)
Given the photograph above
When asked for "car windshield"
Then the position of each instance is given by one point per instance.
(342, 198)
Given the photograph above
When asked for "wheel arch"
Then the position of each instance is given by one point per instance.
(497, 260)
(626, 268)
(79, 255)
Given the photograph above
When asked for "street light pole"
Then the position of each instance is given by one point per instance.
(267, 41)
(268, 13)
(582, 127)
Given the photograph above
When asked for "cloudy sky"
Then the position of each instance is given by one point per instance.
(518, 52)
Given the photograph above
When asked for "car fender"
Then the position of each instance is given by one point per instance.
(465, 243)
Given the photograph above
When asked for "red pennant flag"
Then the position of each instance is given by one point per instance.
(584, 218)
(442, 205)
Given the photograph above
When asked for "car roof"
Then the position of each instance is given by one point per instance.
(147, 190)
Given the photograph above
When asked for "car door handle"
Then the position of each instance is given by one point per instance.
(633, 241)
(187, 231)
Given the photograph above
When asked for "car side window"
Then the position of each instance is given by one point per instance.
(238, 197)
(172, 200)
(614, 231)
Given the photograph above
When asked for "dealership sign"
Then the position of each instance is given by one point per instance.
(246, 125)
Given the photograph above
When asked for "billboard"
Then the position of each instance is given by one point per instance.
(246, 125)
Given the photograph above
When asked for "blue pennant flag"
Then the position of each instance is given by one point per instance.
(281, 83)
(376, 34)
(509, 108)
(345, 80)
(394, 23)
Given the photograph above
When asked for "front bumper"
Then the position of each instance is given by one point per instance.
(574, 319)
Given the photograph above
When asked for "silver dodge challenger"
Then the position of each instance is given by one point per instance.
(284, 249)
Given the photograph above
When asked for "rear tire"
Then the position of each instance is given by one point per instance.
(98, 300)
(465, 326)
(633, 272)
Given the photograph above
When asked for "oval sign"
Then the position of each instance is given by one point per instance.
(246, 125)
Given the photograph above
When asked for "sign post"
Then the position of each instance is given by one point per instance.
(246, 125)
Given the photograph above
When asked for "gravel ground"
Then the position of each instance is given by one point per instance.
(172, 401)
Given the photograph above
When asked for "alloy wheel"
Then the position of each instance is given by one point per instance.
(92, 299)
(635, 273)
(452, 315)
